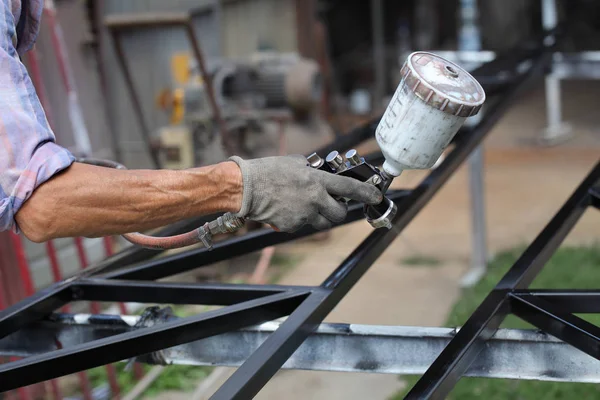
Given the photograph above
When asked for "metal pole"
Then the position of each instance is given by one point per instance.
(378, 52)
(470, 40)
(206, 78)
(556, 131)
(135, 100)
(80, 132)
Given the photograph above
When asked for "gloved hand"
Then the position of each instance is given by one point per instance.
(286, 193)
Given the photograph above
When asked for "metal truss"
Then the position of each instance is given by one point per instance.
(24, 326)
(509, 354)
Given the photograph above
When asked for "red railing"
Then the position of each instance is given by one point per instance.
(14, 268)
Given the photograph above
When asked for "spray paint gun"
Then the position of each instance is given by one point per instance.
(431, 103)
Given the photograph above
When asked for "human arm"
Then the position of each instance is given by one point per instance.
(281, 191)
(93, 201)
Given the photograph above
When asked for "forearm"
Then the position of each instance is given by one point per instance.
(94, 201)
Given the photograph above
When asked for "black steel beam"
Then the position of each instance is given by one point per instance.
(146, 340)
(174, 293)
(558, 322)
(456, 358)
(576, 301)
(595, 197)
(234, 247)
(533, 259)
(34, 308)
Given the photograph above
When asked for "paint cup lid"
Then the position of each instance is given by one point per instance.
(442, 84)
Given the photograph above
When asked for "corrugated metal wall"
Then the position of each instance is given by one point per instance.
(148, 55)
(248, 24)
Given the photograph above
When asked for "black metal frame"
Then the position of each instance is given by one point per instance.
(306, 307)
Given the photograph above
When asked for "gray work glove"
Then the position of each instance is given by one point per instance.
(286, 193)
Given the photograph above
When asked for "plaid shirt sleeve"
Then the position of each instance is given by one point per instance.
(29, 155)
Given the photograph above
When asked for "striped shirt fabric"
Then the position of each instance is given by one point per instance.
(29, 155)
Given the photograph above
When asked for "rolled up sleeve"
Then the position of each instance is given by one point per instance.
(29, 155)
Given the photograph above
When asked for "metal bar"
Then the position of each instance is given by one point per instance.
(23, 393)
(595, 197)
(558, 322)
(556, 130)
(80, 132)
(533, 259)
(84, 381)
(83, 263)
(470, 40)
(378, 43)
(207, 79)
(23, 265)
(576, 301)
(510, 354)
(111, 373)
(142, 341)
(456, 358)
(461, 352)
(479, 253)
(262, 365)
(120, 22)
(235, 246)
(135, 101)
(252, 375)
(100, 52)
(174, 293)
(34, 308)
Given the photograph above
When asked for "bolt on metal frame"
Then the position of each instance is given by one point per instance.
(306, 307)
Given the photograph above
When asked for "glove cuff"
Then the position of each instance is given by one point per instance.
(246, 187)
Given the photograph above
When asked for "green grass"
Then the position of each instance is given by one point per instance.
(420, 261)
(281, 265)
(569, 268)
(174, 377)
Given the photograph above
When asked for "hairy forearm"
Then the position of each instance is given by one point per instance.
(94, 201)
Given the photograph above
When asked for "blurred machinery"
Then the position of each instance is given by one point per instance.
(265, 102)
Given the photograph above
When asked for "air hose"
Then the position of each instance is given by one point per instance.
(227, 223)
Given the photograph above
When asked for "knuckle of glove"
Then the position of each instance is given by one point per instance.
(339, 213)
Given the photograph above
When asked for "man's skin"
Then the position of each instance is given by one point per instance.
(92, 201)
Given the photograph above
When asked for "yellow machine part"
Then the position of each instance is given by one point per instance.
(172, 100)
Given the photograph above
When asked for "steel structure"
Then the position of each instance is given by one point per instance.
(305, 307)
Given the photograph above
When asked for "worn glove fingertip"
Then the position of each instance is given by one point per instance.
(376, 196)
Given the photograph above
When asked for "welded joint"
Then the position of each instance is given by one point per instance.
(152, 316)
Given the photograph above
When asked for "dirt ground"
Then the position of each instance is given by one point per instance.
(524, 187)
